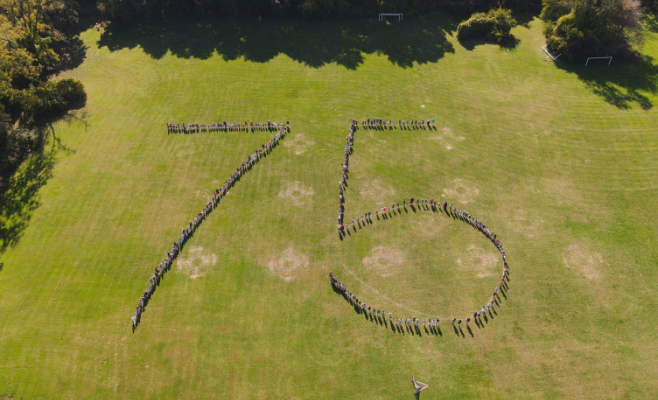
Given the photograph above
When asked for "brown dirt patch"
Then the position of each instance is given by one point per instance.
(376, 190)
(287, 265)
(299, 142)
(578, 258)
(447, 138)
(384, 261)
(196, 262)
(520, 221)
(461, 192)
(296, 193)
(479, 260)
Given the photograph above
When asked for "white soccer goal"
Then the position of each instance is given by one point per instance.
(548, 53)
(381, 16)
(599, 58)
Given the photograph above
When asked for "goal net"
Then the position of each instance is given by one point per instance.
(399, 15)
(607, 58)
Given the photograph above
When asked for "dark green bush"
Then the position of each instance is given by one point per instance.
(70, 90)
(52, 96)
(494, 25)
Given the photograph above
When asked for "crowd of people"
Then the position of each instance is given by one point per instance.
(401, 123)
(227, 127)
(188, 231)
(433, 323)
(385, 212)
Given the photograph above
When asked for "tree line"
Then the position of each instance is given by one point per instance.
(34, 43)
(126, 10)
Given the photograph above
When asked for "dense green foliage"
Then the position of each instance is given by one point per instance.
(54, 95)
(493, 25)
(34, 39)
(579, 29)
(130, 9)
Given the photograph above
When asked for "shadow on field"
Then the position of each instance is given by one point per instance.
(312, 43)
(622, 83)
(651, 22)
(509, 44)
(19, 198)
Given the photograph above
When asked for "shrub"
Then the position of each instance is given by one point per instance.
(70, 90)
(52, 96)
(494, 25)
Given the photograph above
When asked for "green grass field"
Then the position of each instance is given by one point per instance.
(558, 160)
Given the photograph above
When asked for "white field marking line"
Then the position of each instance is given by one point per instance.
(398, 304)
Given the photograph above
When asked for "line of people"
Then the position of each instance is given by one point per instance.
(401, 123)
(345, 170)
(189, 230)
(227, 127)
(412, 325)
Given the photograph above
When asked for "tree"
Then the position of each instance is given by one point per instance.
(30, 20)
(585, 28)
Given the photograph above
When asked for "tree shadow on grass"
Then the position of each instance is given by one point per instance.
(312, 43)
(508, 44)
(651, 23)
(20, 197)
(622, 83)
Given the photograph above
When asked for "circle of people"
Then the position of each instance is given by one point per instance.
(434, 205)
(188, 231)
(227, 127)
(465, 216)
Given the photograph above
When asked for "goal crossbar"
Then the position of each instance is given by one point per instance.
(599, 58)
(399, 15)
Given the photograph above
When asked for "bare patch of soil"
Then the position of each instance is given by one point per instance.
(385, 261)
(296, 193)
(299, 142)
(287, 265)
(480, 261)
(376, 190)
(578, 258)
(461, 192)
(447, 138)
(196, 262)
(522, 222)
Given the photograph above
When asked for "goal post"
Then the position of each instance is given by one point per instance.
(382, 15)
(599, 58)
(554, 58)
